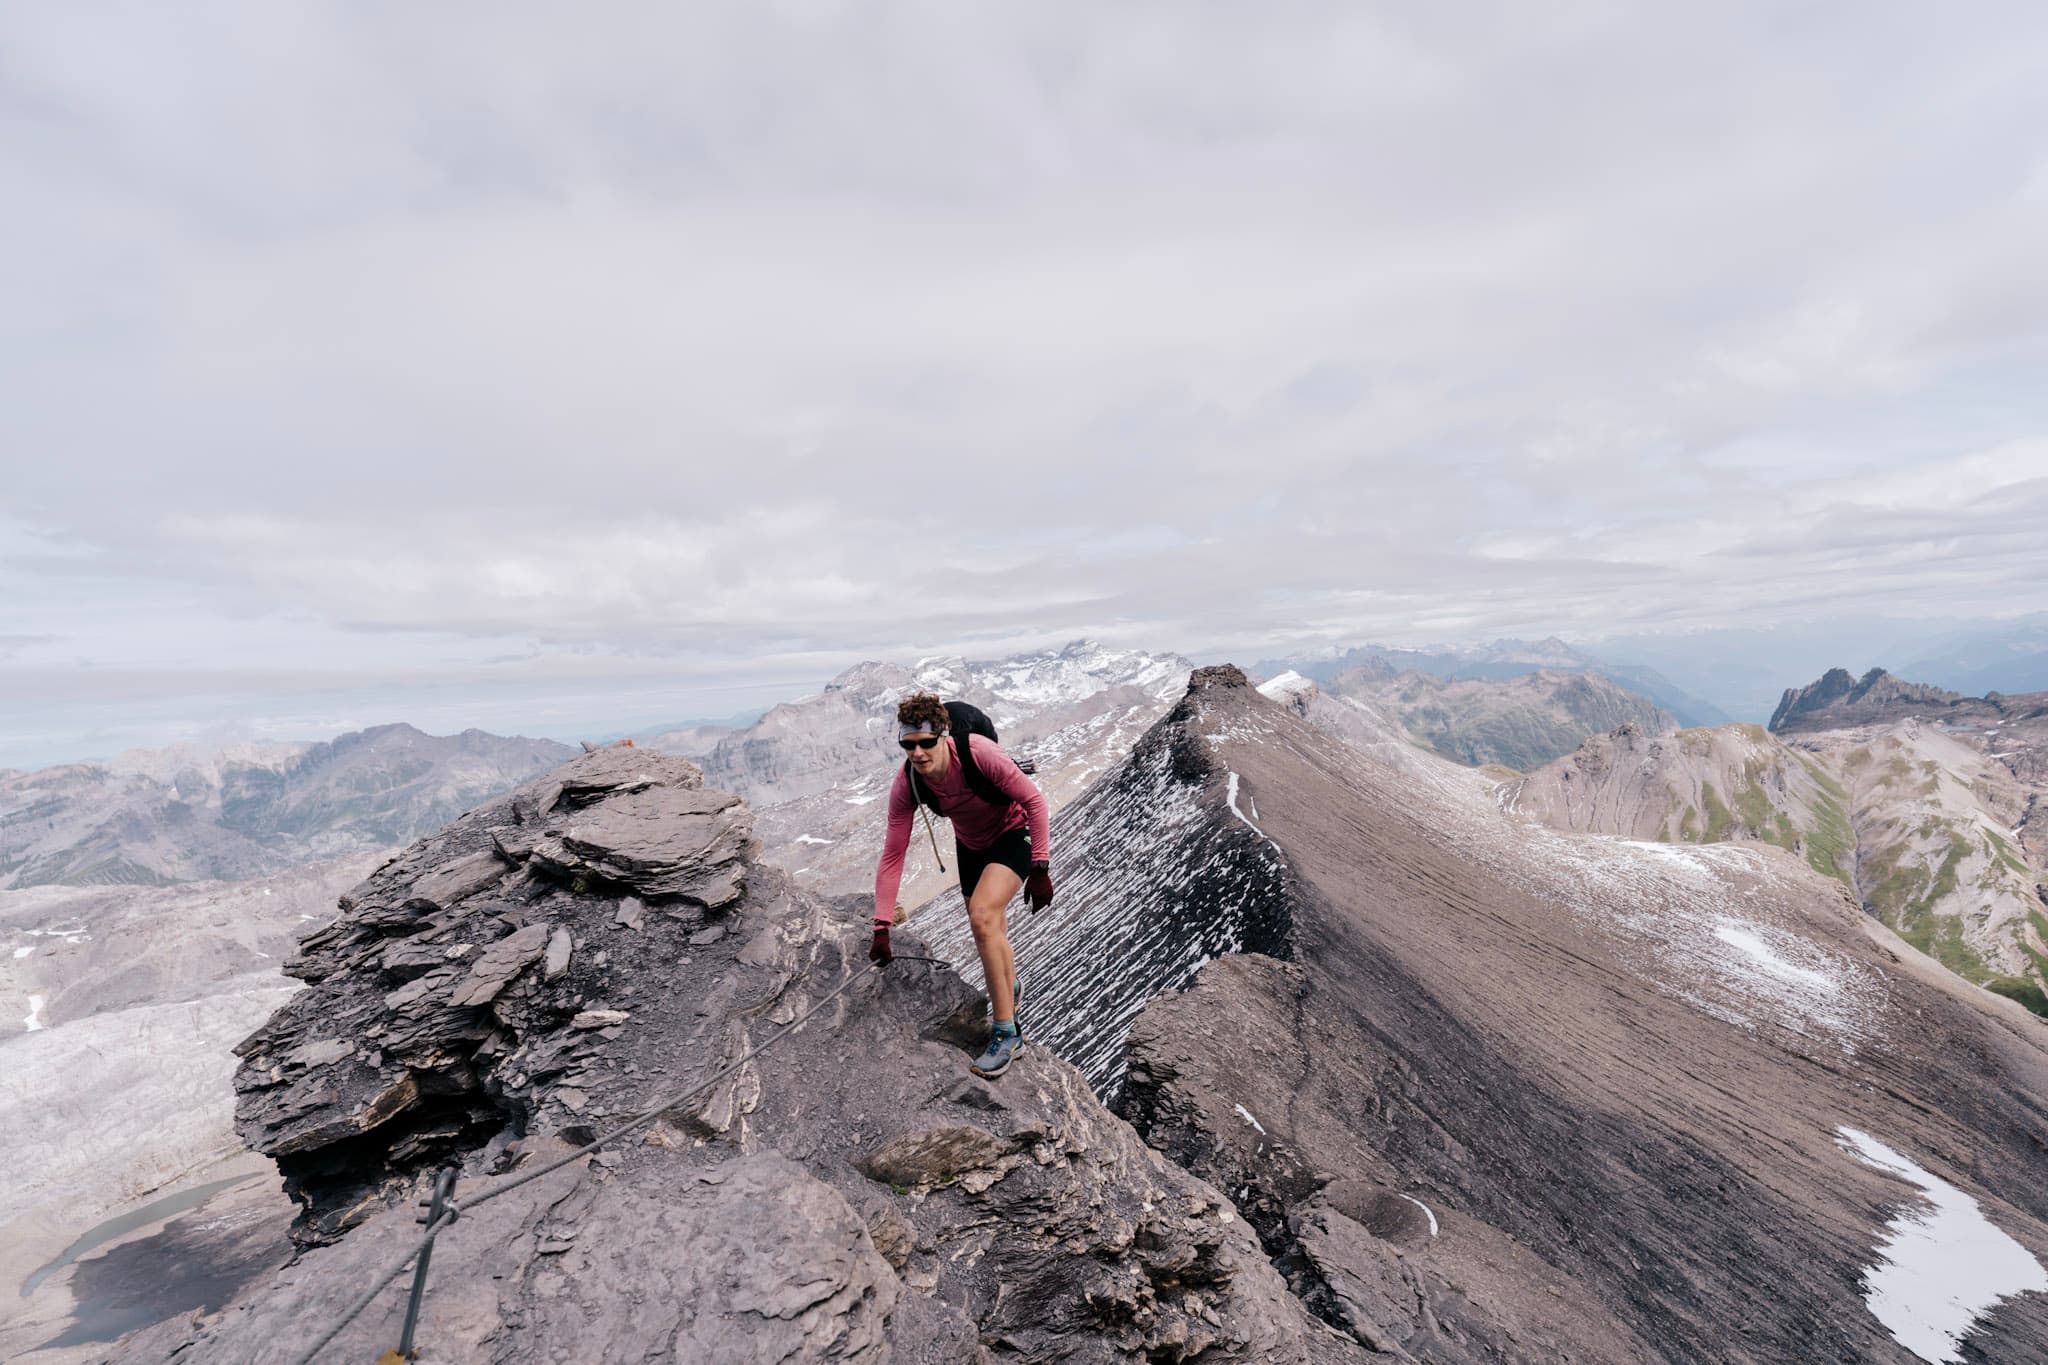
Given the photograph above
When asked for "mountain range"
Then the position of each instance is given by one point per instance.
(1920, 801)
(159, 817)
(1396, 1073)
(1498, 660)
(1520, 721)
(1323, 970)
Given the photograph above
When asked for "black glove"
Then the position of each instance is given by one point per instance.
(878, 950)
(1038, 886)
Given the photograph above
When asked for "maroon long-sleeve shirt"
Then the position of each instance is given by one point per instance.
(976, 823)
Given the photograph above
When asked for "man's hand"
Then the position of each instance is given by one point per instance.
(1038, 886)
(878, 950)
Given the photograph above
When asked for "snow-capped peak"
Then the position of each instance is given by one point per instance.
(1288, 684)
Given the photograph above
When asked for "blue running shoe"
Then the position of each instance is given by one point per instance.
(995, 1060)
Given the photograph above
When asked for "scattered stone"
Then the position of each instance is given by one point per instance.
(501, 962)
(556, 963)
(319, 1053)
(458, 881)
(631, 913)
(761, 950)
(599, 1019)
(933, 1156)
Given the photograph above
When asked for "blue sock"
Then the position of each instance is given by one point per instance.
(1005, 1028)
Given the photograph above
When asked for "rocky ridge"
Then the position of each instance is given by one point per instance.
(1526, 1095)
(605, 934)
(1695, 786)
(1840, 700)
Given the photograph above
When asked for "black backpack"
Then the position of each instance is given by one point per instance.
(964, 719)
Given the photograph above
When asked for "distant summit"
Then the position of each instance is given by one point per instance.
(1840, 700)
(156, 818)
(1496, 661)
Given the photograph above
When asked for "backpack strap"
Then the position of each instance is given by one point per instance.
(977, 781)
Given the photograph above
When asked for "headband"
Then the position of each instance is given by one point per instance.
(906, 731)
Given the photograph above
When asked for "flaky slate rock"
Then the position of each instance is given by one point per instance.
(556, 962)
(750, 1259)
(1367, 1290)
(660, 841)
(501, 962)
(458, 881)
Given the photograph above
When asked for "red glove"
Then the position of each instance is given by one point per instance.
(1038, 887)
(878, 950)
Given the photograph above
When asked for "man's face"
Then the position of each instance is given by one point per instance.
(924, 756)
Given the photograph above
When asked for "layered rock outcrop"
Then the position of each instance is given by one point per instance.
(603, 937)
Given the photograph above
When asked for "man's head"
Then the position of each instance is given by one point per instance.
(921, 724)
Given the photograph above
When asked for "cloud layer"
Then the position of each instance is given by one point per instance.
(746, 340)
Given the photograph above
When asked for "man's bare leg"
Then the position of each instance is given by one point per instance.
(988, 916)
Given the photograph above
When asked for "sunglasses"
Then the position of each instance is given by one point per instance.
(930, 742)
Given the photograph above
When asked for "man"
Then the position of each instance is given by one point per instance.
(1001, 845)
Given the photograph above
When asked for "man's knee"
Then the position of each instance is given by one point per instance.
(985, 917)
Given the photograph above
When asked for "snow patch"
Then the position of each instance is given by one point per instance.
(811, 839)
(1234, 810)
(862, 800)
(1737, 935)
(35, 1013)
(1286, 685)
(1425, 1208)
(1941, 1266)
(1246, 1115)
(20, 953)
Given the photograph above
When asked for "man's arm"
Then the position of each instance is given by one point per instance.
(889, 871)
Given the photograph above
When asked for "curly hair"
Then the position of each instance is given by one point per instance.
(925, 711)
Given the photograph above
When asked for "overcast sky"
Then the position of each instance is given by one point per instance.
(567, 369)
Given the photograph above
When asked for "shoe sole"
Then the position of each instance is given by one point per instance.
(997, 1071)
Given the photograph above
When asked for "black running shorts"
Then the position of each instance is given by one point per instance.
(1012, 849)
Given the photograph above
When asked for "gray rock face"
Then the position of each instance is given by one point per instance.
(850, 1193)
(1839, 700)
